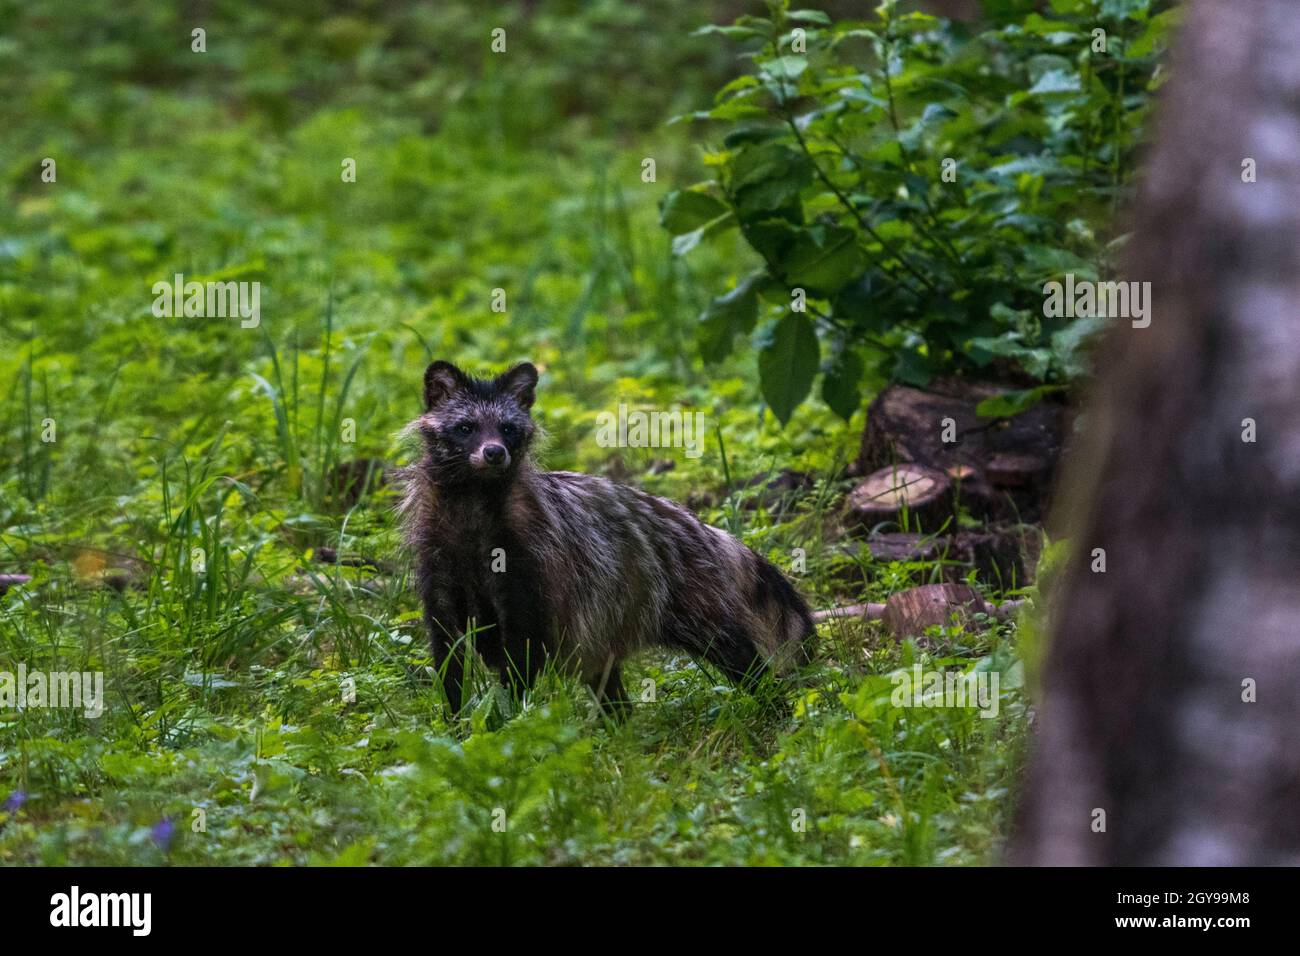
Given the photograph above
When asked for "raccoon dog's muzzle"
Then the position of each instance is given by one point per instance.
(490, 457)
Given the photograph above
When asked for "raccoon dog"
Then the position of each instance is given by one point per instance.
(579, 570)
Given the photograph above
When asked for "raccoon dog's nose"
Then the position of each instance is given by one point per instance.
(494, 454)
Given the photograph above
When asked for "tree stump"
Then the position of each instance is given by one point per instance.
(901, 546)
(1003, 557)
(924, 492)
(1004, 466)
(1012, 470)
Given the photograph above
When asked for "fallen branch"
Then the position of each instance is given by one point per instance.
(867, 612)
(941, 599)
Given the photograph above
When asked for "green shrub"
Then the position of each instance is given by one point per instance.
(909, 183)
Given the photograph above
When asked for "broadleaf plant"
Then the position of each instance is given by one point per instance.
(909, 184)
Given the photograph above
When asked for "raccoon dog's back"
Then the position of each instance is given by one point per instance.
(625, 570)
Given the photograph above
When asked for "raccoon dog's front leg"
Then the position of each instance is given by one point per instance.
(447, 642)
(522, 619)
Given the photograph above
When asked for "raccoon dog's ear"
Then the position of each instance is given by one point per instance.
(441, 381)
(520, 382)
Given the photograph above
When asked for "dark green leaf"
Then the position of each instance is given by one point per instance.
(1013, 403)
(840, 383)
(787, 363)
(728, 316)
(763, 161)
(824, 259)
(912, 368)
(752, 134)
(771, 238)
(685, 209)
(689, 240)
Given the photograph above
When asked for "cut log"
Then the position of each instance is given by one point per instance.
(901, 546)
(883, 549)
(1005, 465)
(1003, 557)
(875, 612)
(1014, 470)
(883, 495)
(908, 613)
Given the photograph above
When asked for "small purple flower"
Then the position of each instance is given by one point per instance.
(162, 833)
(15, 800)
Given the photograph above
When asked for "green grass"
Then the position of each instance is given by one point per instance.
(196, 457)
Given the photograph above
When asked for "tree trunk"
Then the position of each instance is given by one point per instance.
(1142, 713)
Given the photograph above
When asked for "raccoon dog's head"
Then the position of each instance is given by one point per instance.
(477, 430)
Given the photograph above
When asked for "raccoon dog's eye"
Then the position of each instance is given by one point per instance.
(464, 428)
(508, 429)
